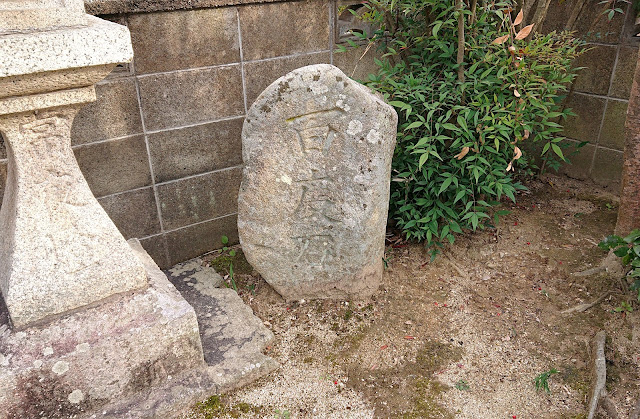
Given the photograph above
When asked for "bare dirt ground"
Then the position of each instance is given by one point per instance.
(464, 336)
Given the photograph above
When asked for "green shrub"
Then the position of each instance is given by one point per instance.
(461, 135)
(628, 249)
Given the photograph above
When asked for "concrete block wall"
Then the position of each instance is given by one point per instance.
(601, 91)
(161, 147)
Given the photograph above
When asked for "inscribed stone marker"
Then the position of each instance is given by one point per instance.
(312, 210)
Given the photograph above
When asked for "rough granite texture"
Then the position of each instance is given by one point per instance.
(104, 7)
(84, 361)
(59, 250)
(137, 356)
(99, 42)
(233, 340)
(312, 207)
(23, 15)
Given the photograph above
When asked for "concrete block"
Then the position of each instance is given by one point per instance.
(612, 134)
(260, 74)
(272, 30)
(190, 151)
(115, 166)
(586, 125)
(195, 240)
(607, 169)
(580, 166)
(156, 247)
(350, 60)
(604, 31)
(115, 113)
(134, 212)
(189, 97)
(596, 75)
(623, 77)
(184, 39)
(199, 198)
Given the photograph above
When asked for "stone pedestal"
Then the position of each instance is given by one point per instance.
(59, 250)
(92, 358)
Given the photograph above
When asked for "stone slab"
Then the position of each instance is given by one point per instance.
(22, 15)
(82, 362)
(98, 43)
(233, 340)
(312, 206)
(157, 325)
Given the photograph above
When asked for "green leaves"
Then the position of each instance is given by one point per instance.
(456, 139)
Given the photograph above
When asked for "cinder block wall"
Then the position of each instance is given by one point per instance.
(161, 147)
(601, 91)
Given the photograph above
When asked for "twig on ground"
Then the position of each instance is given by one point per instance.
(635, 414)
(580, 308)
(590, 272)
(456, 267)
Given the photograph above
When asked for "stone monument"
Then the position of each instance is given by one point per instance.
(312, 208)
(91, 325)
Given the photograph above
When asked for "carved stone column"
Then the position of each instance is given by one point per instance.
(59, 250)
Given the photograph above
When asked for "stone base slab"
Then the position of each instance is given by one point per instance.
(138, 355)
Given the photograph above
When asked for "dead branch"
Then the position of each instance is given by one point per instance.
(580, 308)
(600, 370)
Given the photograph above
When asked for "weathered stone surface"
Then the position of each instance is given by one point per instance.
(98, 43)
(85, 361)
(58, 249)
(233, 340)
(313, 202)
(20, 15)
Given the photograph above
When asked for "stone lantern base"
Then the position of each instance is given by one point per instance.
(136, 355)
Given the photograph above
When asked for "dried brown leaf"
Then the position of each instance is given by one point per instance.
(517, 153)
(500, 40)
(463, 153)
(510, 167)
(524, 32)
(516, 93)
(526, 134)
(518, 18)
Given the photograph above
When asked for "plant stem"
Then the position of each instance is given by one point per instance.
(460, 58)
